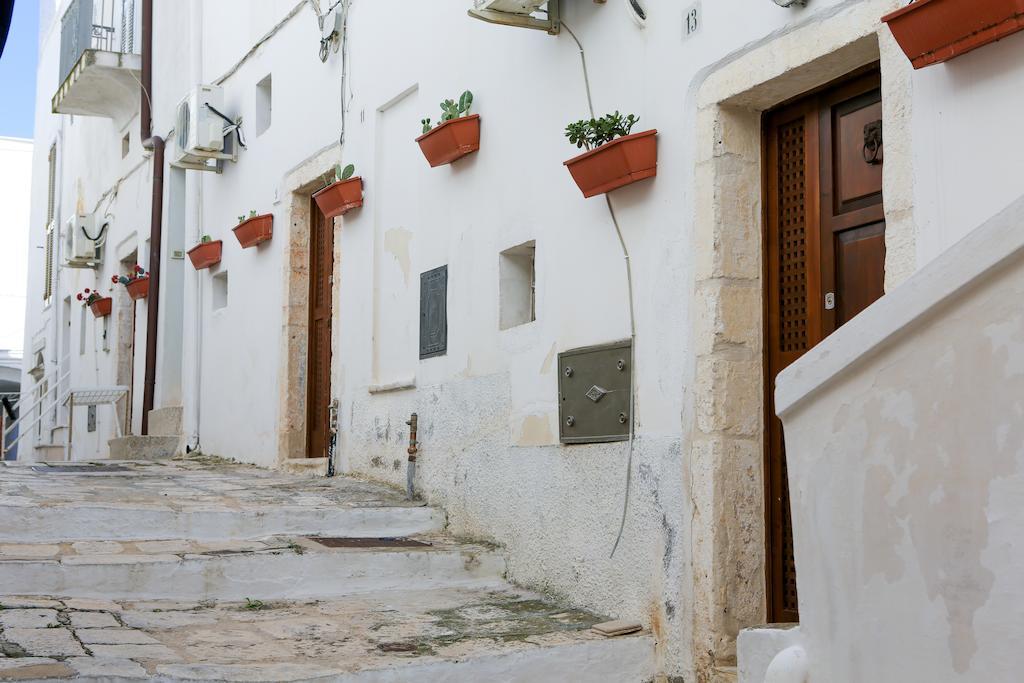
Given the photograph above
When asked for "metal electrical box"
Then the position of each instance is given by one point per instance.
(593, 393)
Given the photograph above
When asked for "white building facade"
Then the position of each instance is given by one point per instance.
(671, 527)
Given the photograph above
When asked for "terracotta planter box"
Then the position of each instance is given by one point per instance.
(934, 31)
(138, 288)
(101, 307)
(620, 162)
(255, 230)
(451, 140)
(340, 197)
(205, 254)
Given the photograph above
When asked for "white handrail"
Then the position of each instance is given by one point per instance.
(24, 412)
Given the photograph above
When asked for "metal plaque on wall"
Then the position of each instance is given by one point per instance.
(593, 393)
(434, 312)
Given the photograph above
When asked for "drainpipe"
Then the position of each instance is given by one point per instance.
(155, 143)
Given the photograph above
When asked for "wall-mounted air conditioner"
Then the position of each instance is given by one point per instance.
(522, 13)
(201, 131)
(83, 241)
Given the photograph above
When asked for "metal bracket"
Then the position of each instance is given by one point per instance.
(552, 25)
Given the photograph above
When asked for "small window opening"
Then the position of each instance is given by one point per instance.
(126, 144)
(264, 92)
(517, 272)
(219, 298)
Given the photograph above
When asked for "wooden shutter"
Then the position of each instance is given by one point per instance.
(50, 225)
(321, 269)
(434, 312)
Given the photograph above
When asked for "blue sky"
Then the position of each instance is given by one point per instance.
(18, 71)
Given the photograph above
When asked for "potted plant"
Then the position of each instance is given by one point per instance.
(342, 195)
(614, 157)
(137, 282)
(933, 31)
(206, 253)
(99, 304)
(254, 229)
(457, 134)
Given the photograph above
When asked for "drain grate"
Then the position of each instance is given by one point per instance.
(342, 542)
(79, 468)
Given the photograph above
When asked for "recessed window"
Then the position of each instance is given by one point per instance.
(518, 285)
(264, 92)
(126, 144)
(219, 297)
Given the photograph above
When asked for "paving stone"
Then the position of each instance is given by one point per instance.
(119, 559)
(164, 620)
(115, 636)
(33, 669)
(106, 667)
(97, 547)
(45, 642)
(91, 620)
(165, 546)
(18, 602)
(27, 550)
(241, 672)
(232, 546)
(28, 618)
(89, 605)
(156, 653)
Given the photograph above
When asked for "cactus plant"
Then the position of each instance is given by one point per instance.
(596, 132)
(450, 109)
(344, 173)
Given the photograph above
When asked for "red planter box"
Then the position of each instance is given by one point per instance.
(620, 162)
(205, 254)
(934, 31)
(255, 230)
(138, 288)
(101, 307)
(451, 140)
(340, 197)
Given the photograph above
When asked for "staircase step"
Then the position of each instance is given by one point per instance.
(443, 635)
(276, 568)
(165, 421)
(49, 452)
(144, 447)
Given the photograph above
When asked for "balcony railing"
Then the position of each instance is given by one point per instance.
(107, 25)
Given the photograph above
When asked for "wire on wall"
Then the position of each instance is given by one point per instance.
(632, 315)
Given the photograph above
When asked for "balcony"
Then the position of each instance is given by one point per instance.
(99, 65)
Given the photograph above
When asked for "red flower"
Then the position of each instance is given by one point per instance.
(138, 269)
(114, 279)
(79, 297)
(86, 290)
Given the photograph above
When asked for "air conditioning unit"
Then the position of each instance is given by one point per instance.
(83, 242)
(200, 130)
(519, 13)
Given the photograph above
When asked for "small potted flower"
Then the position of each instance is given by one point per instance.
(99, 305)
(934, 31)
(206, 253)
(614, 157)
(254, 229)
(343, 194)
(457, 134)
(137, 282)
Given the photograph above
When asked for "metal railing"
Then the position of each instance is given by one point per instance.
(95, 25)
(39, 407)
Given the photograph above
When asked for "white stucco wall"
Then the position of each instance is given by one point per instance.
(903, 433)
(488, 409)
(15, 184)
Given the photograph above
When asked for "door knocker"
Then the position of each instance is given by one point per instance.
(873, 143)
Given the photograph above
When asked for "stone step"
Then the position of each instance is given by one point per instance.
(165, 421)
(144, 447)
(443, 635)
(277, 568)
(49, 452)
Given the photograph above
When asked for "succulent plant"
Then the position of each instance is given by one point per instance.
(344, 173)
(204, 239)
(450, 109)
(596, 132)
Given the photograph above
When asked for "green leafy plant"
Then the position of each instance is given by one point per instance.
(450, 109)
(204, 239)
(252, 213)
(344, 173)
(89, 296)
(254, 605)
(241, 219)
(596, 132)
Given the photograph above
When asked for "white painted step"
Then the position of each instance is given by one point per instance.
(126, 522)
(290, 569)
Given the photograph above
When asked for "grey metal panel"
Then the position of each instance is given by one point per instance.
(593, 393)
(75, 34)
(434, 312)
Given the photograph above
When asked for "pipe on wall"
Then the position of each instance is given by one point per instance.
(155, 143)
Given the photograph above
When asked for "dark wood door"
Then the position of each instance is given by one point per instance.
(321, 269)
(824, 263)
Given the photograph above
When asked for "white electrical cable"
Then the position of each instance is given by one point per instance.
(632, 315)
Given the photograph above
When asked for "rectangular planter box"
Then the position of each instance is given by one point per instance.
(205, 254)
(451, 140)
(138, 288)
(934, 31)
(620, 162)
(255, 230)
(102, 307)
(340, 197)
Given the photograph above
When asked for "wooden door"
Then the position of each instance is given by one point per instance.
(321, 269)
(824, 263)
